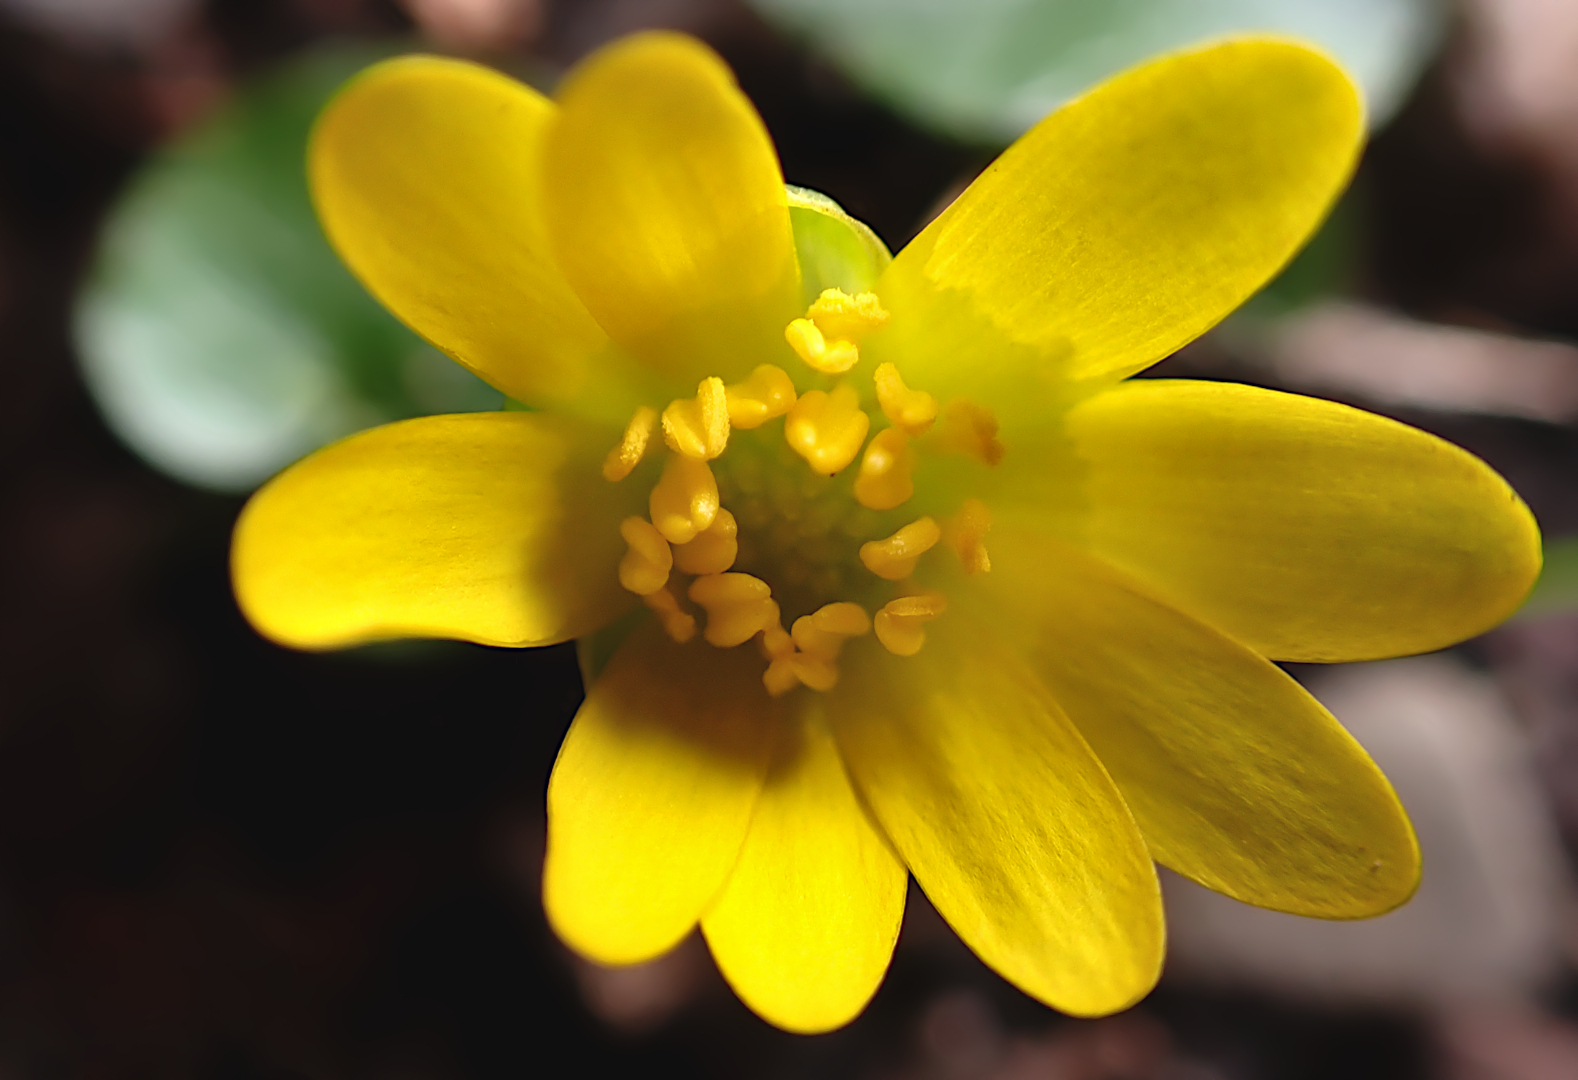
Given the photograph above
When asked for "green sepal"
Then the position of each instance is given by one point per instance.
(836, 251)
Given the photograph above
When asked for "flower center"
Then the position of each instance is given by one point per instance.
(747, 527)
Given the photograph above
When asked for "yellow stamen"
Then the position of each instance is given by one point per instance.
(766, 394)
(845, 317)
(895, 557)
(912, 410)
(966, 534)
(971, 429)
(822, 633)
(833, 325)
(738, 607)
(833, 357)
(645, 567)
(685, 500)
(827, 429)
(698, 427)
(676, 622)
(623, 459)
(886, 476)
(780, 677)
(815, 672)
(714, 550)
(900, 624)
(776, 642)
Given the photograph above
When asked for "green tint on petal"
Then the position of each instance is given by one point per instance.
(219, 334)
(1122, 226)
(1238, 778)
(1005, 817)
(806, 925)
(490, 527)
(836, 251)
(987, 70)
(1305, 529)
(652, 794)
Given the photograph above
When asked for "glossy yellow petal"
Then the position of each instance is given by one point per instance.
(489, 527)
(1238, 778)
(427, 176)
(1123, 225)
(667, 209)
(806, 926)
(1306, 530)
(652, 794)
(1003, 815)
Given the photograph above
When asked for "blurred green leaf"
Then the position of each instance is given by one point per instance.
(986, 70)
(219, 333)
(1557, 589)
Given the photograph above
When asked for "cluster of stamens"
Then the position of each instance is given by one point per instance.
(689, 532)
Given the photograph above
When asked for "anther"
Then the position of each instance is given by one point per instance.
(900, 625)
(698, 427)
(685, 500)
(822, 633)
(815, 672)
(776, 642)
(623, 459)
(912, 410)
(971, 429)
(886, 477)
(966, 534)
(827, 429)
(895, 557)
(833, 357)
(645, 567)
(848, 318)
(713, 550)
(677, 623)
(827, 338)
(766, 394)
(738, 607)
(780, 677)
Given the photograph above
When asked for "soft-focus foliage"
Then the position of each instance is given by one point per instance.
(219, 333)
(988, 69)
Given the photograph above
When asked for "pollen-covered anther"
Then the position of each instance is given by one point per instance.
(829, 335)
(822, 633)
(886, 477)
(900, 625)
(827, 428)
(912, 410)
(966, 534)
(848, 318)
(698, 427)
(677, 623)
(645, 567)
(894, 558)
(685, 500)
(766, 394)
(738, 607)
(623, 459)
(971, 429)
(713, 550)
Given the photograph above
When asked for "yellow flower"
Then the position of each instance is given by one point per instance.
(926, 585)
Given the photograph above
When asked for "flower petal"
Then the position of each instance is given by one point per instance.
(667, 208)
(489, 527)
(1305, 529)
(427, 176)
(1125, 224)
(806, 926)
(1238, 778)
(1003, 815)
(652, 794)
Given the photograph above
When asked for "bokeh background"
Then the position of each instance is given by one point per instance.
(222, 859)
